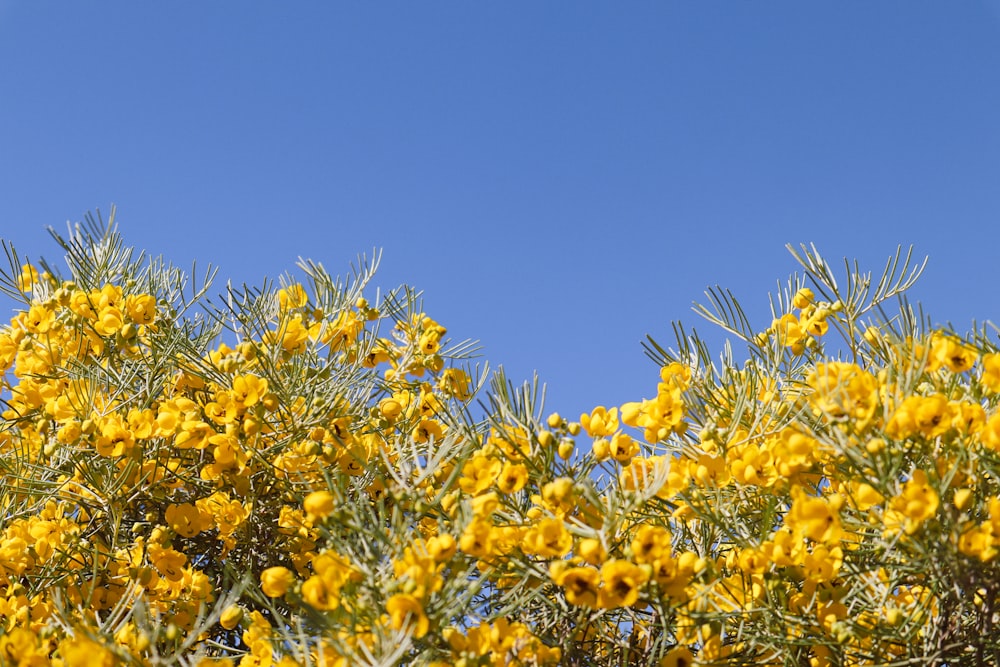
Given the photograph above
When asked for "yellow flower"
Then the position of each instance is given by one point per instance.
(485, 504)
(512, 478)
(115, 439)
(679, 656)
(477, 539)
(479, 473)
(248, 389)
(319, 594)
(822, 564)
(674, 574)
(168, 561)
(930, 416)
(962, 498)
(82, 652)
(292, 333)
(548, 538)
(558, 493)
(664, 414)
(142, 423)
(455, 382)
(407, 612)
(109, 321)
(865, 496)
(978, 542)
(592, 551)
(983, 540)
(141, 308)
(990, 377)
(390, 408)
(990, 435)
(815, 518)
(710, 471)
(222, 410)
(622, 581)
(430, 342)
(81, 305)
(842, 390)
(208, 661)
(803, 298)
(580, 584)
(276, 581)
(427, 430)
(186, 519)
(27, 278)
(622, 448)
(293, 296)
(193, 434)
(793, 452)
(441, 547)
(231, 617)
(968, 417)
(225, 513)
(18, 647)
(39, 319)
(917, 502)
(319, 504)
(949, 352)
(601, 422)
(650, 543)
(418, 571)
(601, 449)
(789, 332)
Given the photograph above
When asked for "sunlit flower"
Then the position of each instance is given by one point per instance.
(407, 612)
(276, 581)
(622, 582)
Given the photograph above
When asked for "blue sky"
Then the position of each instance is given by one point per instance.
(559, 178)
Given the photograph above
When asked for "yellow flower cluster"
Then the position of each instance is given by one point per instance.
(301, 477)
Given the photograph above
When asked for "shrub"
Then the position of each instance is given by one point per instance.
(293, 474)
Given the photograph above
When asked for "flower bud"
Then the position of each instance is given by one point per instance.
(231, 617)
(602, 449)
(565, 450)
(276, 581)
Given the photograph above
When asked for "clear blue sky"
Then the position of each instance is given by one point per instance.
(560, 178)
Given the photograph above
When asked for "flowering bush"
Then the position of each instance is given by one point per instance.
(295, 475)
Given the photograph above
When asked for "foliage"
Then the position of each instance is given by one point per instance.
(294, 475)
